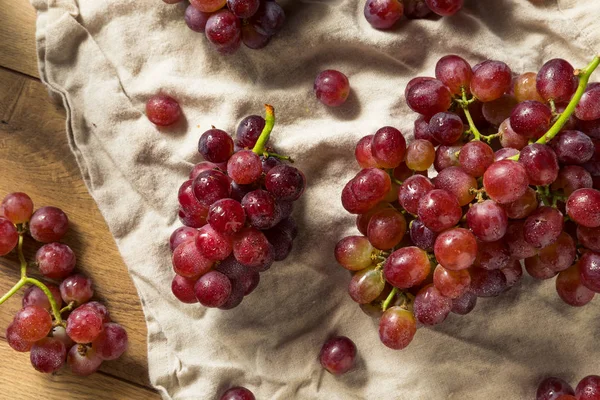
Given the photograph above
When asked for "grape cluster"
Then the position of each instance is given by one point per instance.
(236, 207)
(383, 14)
(553, 388)
(526, 191)
(228, 23)
(87, 337)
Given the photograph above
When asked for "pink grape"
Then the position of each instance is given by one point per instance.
(486, 283)
(588, 388)
(163, 110)
(556, 81)
(215, 145)
(332, 88)
(551, 388)
(491, 80)
(82, 360)
(244, 167)
(531, 119)
(48, 224)
(48, 355)
(112, 342)
(383, 14)
(541, 164)
(397, 327)
(475, 157)
(189, 261)
(455, 249)
(452, 284)
(456, 181)
(505, 181)
(464, 304)
(226, 216)
(18, 207)
(428, 97)
(337, 355)
(589, 265)
(15, 341)
(583, 206)
(446, 127)
(55, 260)
(454, 72)
(9, 237)
(571, 290)
(492, 255)
(183, 289)
(444, 8)
(213, 245)
(363, 153)
(412, 190)
(366, 285)
(285, 182)
(430, 306)
(251, 248)
(84, 325)
(354, 252)
(386, 229)
(439, 210)
(487, 220)
(181, 235)
(34, 296)
(407, 267)
(365, 190)
(213, 289)
(388, 147)
(237, 393)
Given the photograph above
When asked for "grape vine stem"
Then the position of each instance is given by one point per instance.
(464, 103)
(259, 147)
(389, 299)
(584, 77)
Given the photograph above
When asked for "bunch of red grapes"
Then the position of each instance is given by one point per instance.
(557, 389)
(523, 192)
(383, 14)
(228, 23)
(87, 337)
(236, 207)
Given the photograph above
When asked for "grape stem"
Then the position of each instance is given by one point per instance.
(27, 280)
(389, 299)
(584, 77)
(279, 156)
(259, 147)
(464, 103)
(68, 307)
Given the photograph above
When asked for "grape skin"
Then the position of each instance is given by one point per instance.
(487, 283)
(446, 127)
(439, 210)
(464, 304)
(213, 289)
(487, 220)
(163, 110)
(543, 226)
(55, 260)
(48, 355)
(386, 229)
(332, 88)
(475, 157)
(588, 388)
(430, 306)
(84, 325)
(15, 341)
(383, 14)
(48, 224)
(505, 181)
(196, 19)
(397, 327)
(337, 355)
(455, 249)
(224, 31)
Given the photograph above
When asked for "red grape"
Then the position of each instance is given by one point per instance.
(337, 355)
(397, 327)
(487, 220)
(452, 284)
(430, 306)
(583, 206)
(213, 245)
(195, 19)
(215, 145)
(531, 119)
(422, 236)
(285, 182)
(386, 229)
(446, 127)
(475, 157)
(456, 181)
(541, 164)
(421, 130)
(445, 157)
(487, 283)
(354, 252)
(34, 296)
(572, 147)
(439, 210)
(589, 265)
(244, 167)
(17, 207)
(208, 5)
(464, 304)
(15, 340)
(83, 360)
(181, 235)
(588, 388)
(570, 178)
(48, 224)
(112, 342)
(589, 237)
(84, 325)
(261, 209)
(163, 110)
(365, 190)
(523, 206)
(491, 80)
(100, 309)
(363, 153)
(456, 249)
(237, 393)
(224, 30)
(556, 81)
(249, 131)
(492, 255)
(251, 248)
(366, 285)
(55, 260)
(444, 8)
(243, 8)
(407, 267)
(454, 72)
(388, 147)
(188, 260)
(252, 38)
(551, 388)
(210, 186)
(514, 238)
(513, 273)
(588, 108)
(383, 14)
(543, 226)
(571, 290)
(428, 97)
(226, 216)
(332, 88)
(48, 355)
(9, 237)
(183, 289)
(269, 18)
(509, 138)
(505, 181)
(497, 111)
(559, 255)
(213, 289)
(412, 190)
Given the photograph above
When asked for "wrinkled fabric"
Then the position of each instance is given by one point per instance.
(106, 58)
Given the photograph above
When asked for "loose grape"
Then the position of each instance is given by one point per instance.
(444, 8)
(583, 206)
(332, 88)
(589, 265)
(439, 210)
(456, 181)
(446, 127)
(163, 110)
(83, 360)
(452, 284)
(386, 229)
(9, 237)
(208, 5)
(556, 81)
(487, 220)
(237, 393)
(397, 327)
(455, 249)
(588, 388)
(17, 207)
(491, 80)
(464, 304)
(486, 283)
(34, 296)
(420, 155)
(215, 145)
(383, 14)
(551, 388)
(188, 260)
(213, 289)
(475, 157)
(251, 248)
(505, 181)
(210, 186)
(422, 236)
(525, 88)
(412, 190)
(285, 182)
(48, 224)
(571, 290)
(407, 267)
(195, 19)
(338, 355)
(430, 306)
(366, 285)
(84, 325)
(112, 342)
(531, 119)
(181, 235)
(244, 167)
(48, 355)
(388, 147)
(428, 97)
(55, 260)
(454, 72)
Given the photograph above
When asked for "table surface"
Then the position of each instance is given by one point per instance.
(35, 158)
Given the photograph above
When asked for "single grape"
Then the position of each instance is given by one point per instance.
(412, 190)
(17, 207)
(454, 72)
(523, 206)
(48, 355)
(572, 147)
(497, 111)
(397, 327)
(181, 235)
(492, 255)
(439, 210)
(213, 289)
(337, 355)
(513, 273)
(386, 229)
(551, 388)
(285, 182)
(589, 265)
(210, 186)
(366, 285)
(571, 290)
(252, 38)
(556, 81)
(514, 238)
(226, 216)
(445, 8)
(332, 88)
(430, 306)
(195, 19)
(363, 153)
(487, 220)
(421, 130)
(251, 248)
(243, 8)
(383, 14)
(589, 237)
(420, 155)
(588, 108)
(455, 249)
(354, 252)
(269, 18)
(244, 167)
(445, 157)
(491, 80)
(464, 304)
(215, 145)
(191, 220)
(428, 97)
(543, 226)
(190, 205)
(505, 181)
(456, 181)
(261, 209)
(570, 178)
(531, 119)
(9, 237)
(422, 236)
(446, 127)
(163, 110)
(388, 147)
(365, 190)
(509, 138)
(249, 130)
(540, 163)
(213, 245)
(407, 267)
(560, 254)
(208, 5)
(588, 388)
(452, 284)
(15, 341)
(55, 260)
(112, 342)
(237, 393)
(525, 88)
(84, 325)
(583, 206)
(416, 9)
(189, 262)
(475, 157)
(34, 296)
(487, 283)
(83, 360)
(48, 224)
(100, 309)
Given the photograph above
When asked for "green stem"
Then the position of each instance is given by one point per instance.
(48, 293)
(22, 257)
(465, 106)
(279, 156)
(68, 307)
(259, 147)
(13, 290)
(389, 299)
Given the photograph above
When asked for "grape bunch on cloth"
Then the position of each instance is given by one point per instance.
(105, 59)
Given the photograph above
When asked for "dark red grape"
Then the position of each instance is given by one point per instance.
(428, 97)
(48, 224)
(407, 267)
(261, 209)
(464, 304)
(454, 72)
(84, 325)
(572, 147)
(497, 111)
(285, 182)
(571, 290)
(337, 355)
(422, 236)
(210, 186)
(196, 19)
(213, 245)
(112, 342)
(9, 237)
(588, 388)
(505, 181)
(543, 226)
(487, 283)
(551, 388)
(589, 265)
(492, 255)
(249, 130)
(365, 190)
(332, 88)
(491, 80)
(556, 81)
(189, 262)
(163, 110)
(421, 130)
(181, 235)
(439, 210)
(589, 237)
(559, 255)
(237, 393)
(252, 38)
(583, 206)
(201, 166)
(570, 178)
(588, 108)
(386, 229)
(269, 18)
(446, 127)
(397, 327)
(77, 288)
(430, 306)
(531, 119)
(412, 190)
(48, 355)
(383, 14)
(475, 157)
(243, 8)
(388, 147)
(215, 145)
(226, 216)
(446, 156)
(487, 220)
(34, 296)
(244, 167)
(251, 248)
(55, 260)
(224, 30)
(281, 241)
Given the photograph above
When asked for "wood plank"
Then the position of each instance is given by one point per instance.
(35, 158)
(21, 382)
(17, 37)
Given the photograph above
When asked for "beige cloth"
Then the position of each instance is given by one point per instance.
(105, 58)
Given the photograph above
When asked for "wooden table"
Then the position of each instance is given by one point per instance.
(35, 158)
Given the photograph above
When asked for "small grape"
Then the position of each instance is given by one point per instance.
(428, 97)
(188, 261)
(48, 355)
(492, 255)
(163, 110)
(588, 108)
(192, 209)
(445, 8)
(244, 167)
(570, 178)
(332, 88)
(455, 249)
(285, 182)
(589, 237)
(491, 80)
(487, 220)
(224, 31)
(77, 288)
(112, 342)
(531, 119)
(17, 207)
(365, 190)
(397, 327)
(237, 393)
(422, 236)
(588, 388)
(570, 288)
(337, 355)
(430, 306)
(84, 325)
(181, 235)
(556, 81)
(249, 130)
(196, 19)
(421, 130)
(9, 237)
(281, 241)
(215, 145)
(583, 206)
(383, 14)
(505, 181)
(366, 285)
(439, 210)
(475, 157)
(83, 360)
(551, 388)
(261, 209)
(446, 127)
(407, 267)
(48, 224)
(226, 216)
(464, 304)
(445, 157)
(454, 72)
(518, 247)
(213, 245)
(354, 252)
(213, 289)
(55, 260)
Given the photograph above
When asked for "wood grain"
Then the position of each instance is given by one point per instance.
(35, 158)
